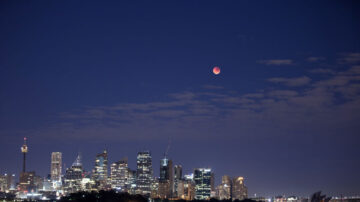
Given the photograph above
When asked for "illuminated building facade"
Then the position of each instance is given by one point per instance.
(3, 183)
(202, 179)
(132, 181)
(178, 172)
(7, 182)
(189, 188)
(27, 182)
(177, 180)
(144, 173)
(100, 174)
(120, 175)
(166, 181)
(55, 170)
(154, 188)
(223, 191)
(239, 190)
(73, 177)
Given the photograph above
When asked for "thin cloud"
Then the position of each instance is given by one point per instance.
(283, 93)
(190, 114)
(349, 58)
(276, 62)
(315, 59)
(322, 71)
(300, 81)
(213, 87)
(183, 95)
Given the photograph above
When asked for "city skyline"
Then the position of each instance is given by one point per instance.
(221, 192)
(281, 110)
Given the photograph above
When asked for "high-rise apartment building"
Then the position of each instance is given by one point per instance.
(120, 175)
(55, 170)
(202, 179)
(100, 174)
(144, 173)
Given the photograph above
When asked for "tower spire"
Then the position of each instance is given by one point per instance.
(24, 150)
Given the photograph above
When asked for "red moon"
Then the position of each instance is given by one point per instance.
(216, 70)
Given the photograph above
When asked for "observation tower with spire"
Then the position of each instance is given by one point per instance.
(24, 150)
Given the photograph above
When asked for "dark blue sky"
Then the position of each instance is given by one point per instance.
(81, 76)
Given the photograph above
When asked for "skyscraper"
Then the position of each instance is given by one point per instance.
(3, 183)
(144, 173)
(239, 190)
(73, 176)
(55, 170)
(120, 175)
(189, 187)
(7, 182)
(178, 190)
(178, 172)
(202, 179)
(166, 181)
(224, 189)
(100, 174)
(132, 181)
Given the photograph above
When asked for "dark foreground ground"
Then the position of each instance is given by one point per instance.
(112, 196)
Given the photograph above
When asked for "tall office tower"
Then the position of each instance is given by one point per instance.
(131, 181)
(154, 188)
(73, 176)
(179, 189)
(166, 181)
(55, 170)
(212, 182)
(144, 173)
(24, 150)
(100, 174)
(38, 182)
(177, 180)
(11, 182)
(3, 183)
(119, 175)
(7, 182)
(189, 188)
(223, 191)
(202, 179)
(178, 172)
(239, 190)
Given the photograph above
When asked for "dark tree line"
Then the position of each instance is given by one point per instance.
(103, 196)
(112, 196)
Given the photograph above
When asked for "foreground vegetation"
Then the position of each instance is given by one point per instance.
(112, 196)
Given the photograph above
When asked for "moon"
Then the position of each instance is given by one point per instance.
(216, 70)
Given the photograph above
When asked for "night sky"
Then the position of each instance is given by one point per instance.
(82, 76)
